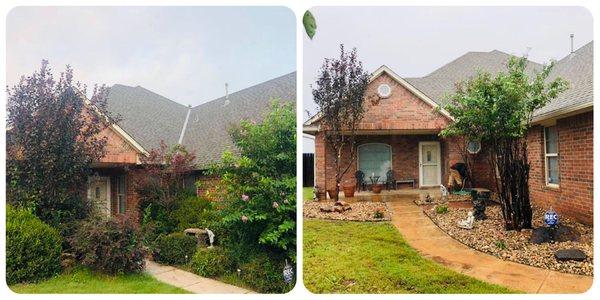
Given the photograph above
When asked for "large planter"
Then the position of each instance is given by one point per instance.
(376, 188)
(348, 191)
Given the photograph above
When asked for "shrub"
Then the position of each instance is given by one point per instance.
(175, 248)
(378, 214)
(211, 262)
(441, 209)
(265, 274)
(111, 246)
(32, 247)
(194, 212)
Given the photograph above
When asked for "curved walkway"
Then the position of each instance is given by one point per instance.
(423, 235)
(191, 282)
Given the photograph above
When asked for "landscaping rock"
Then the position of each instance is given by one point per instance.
(359, 211)
(490, 237)
(200, 234)
(570, 254)
(563, 234)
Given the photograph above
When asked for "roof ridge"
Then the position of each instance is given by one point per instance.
(246, 88)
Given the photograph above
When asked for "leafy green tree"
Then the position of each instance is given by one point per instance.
(258, 186)
(497, 110)
(339, 94)
(53, 137)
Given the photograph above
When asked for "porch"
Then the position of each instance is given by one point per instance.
(111, 189)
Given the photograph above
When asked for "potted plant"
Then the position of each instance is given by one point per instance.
(376, 187)
(348, 188)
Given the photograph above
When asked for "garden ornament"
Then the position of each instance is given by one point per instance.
(467, 223)
(211, 237)
(444, 191)
(288, 272)
(551, 220)
(428, 199)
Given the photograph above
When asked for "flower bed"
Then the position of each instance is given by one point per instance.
(490, 237)
(361, 211)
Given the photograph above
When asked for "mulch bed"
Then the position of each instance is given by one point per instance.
(490, 237)
(361, 211)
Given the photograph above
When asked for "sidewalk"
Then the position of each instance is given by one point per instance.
(191, 282)
(423, 235)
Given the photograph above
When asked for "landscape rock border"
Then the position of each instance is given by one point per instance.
(363, 211)
(489, 236)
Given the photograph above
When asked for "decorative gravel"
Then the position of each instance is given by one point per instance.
(439, 200)
(361, 211)
(490, 237)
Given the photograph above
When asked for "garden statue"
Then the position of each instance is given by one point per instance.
(478, 197)
(211, 237)
(288, 273)
(444, 191)
(468, 223)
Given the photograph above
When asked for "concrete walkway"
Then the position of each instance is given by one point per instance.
(433, 243)
(191, 282)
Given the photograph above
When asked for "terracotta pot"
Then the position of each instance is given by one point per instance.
(348, 191)
(376, 188)
(331, 194)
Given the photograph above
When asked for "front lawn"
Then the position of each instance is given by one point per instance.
(307, 193)
(84, 281)
(361, 257)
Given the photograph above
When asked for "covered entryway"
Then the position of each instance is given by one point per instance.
(430, 167)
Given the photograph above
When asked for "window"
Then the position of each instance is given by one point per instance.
(551, 155)
(374, 159)
(121, 188)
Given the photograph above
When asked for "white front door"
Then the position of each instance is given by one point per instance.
(99, 193)
(430, 171)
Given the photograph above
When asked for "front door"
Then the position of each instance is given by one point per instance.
(429, 164)
(99, 193)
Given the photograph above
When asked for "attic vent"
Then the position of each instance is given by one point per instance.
(226, 95)
(384, 90)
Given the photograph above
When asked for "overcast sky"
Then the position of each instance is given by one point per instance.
(183, 53)
(414, 41)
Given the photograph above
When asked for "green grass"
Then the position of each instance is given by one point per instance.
(361, 257)
(307, 193)
(84, 281)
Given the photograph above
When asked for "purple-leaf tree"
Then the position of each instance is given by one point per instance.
(339, 94)
(53, 137)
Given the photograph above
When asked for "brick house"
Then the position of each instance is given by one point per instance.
(403, 117)
(149, 118)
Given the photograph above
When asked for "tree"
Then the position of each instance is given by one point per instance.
(258, 186)
(498, 111)
(53, 137)
(339, 93)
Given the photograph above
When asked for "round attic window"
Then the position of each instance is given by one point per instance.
(384, 90)
(474, 147)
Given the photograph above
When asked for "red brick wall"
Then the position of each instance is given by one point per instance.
(574, 196)
(117, 149)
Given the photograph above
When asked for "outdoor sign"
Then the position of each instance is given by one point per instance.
(551, 218)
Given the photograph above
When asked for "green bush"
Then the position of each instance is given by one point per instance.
(194, 212)
(111, 246)
(32, 247)
(211, 262)
(174, 249)
(441, 209)
(265, 274)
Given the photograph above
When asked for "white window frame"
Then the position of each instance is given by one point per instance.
(121, 197)
(546, 155)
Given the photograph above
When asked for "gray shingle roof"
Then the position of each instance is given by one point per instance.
(207, 130)
(575, 68)
(150, 118)
(147, 116)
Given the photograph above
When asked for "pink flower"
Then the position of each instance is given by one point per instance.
(286, 201)
(275, 205)
(245, 197)
(244, 219)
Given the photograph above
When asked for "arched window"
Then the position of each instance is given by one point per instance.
(375, 159)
